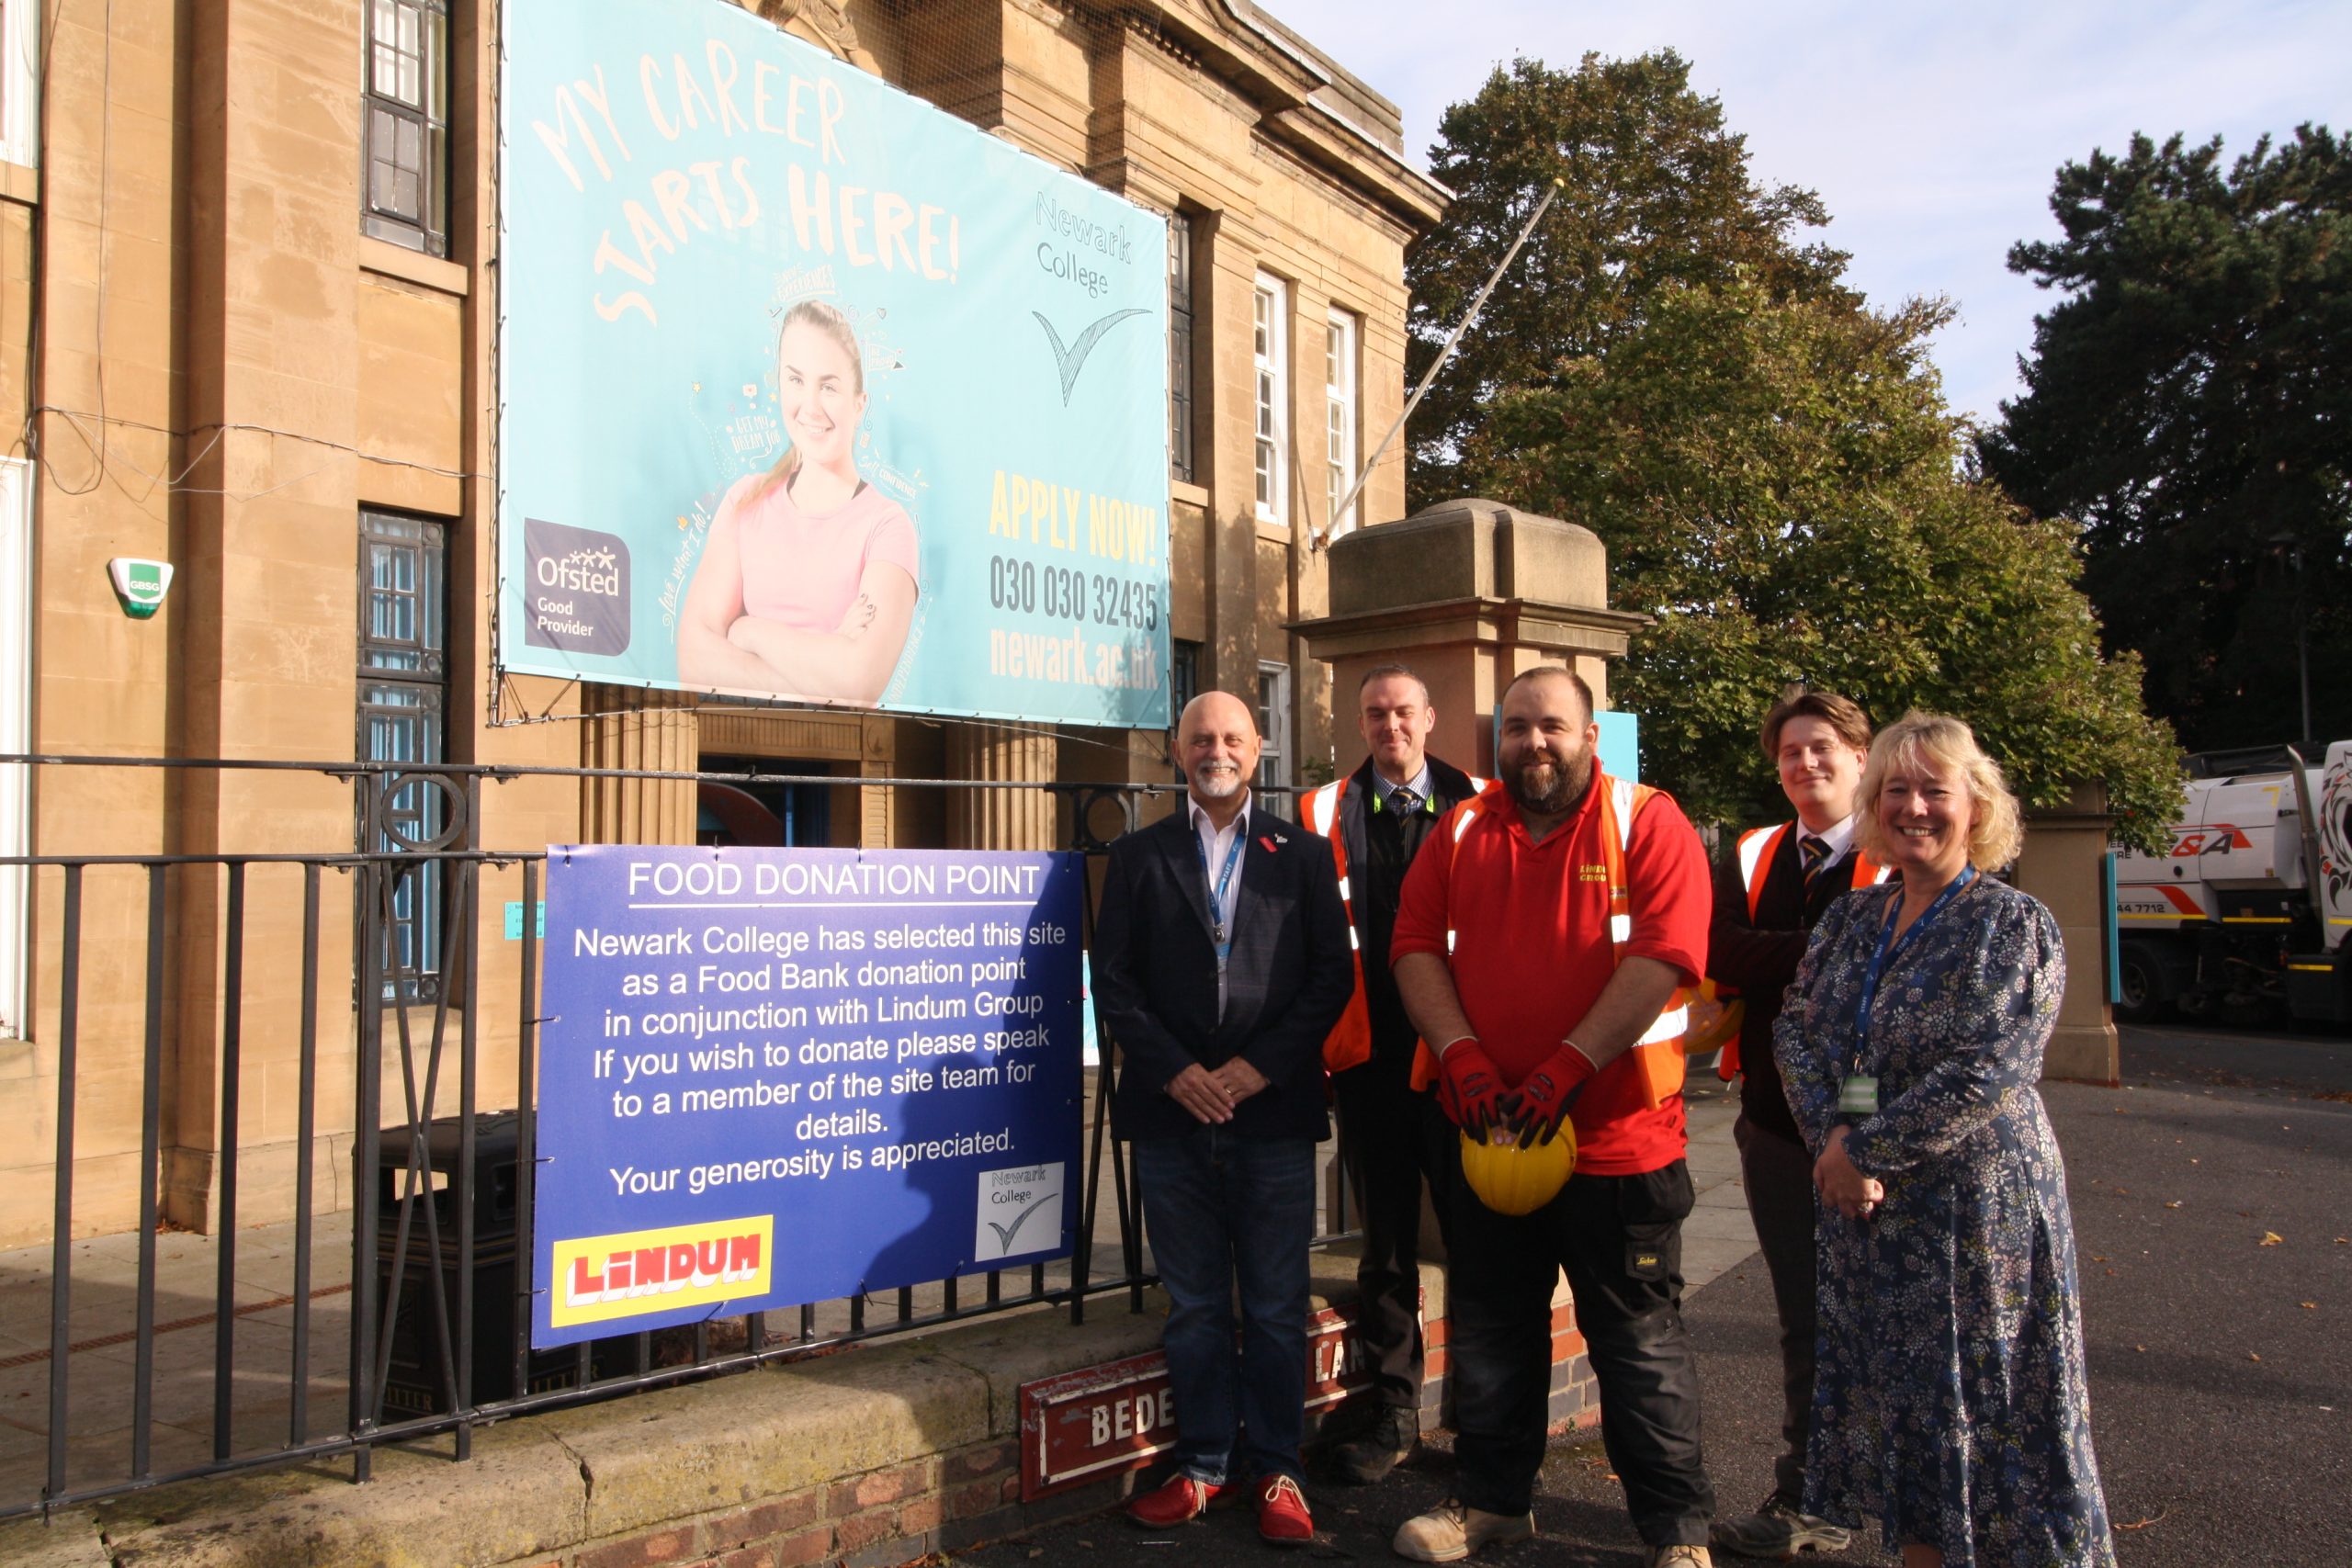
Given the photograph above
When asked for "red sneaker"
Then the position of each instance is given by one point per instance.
(1172, 1502)
(1283, 1518)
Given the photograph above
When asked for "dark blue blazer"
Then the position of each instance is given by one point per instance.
(1155, 974)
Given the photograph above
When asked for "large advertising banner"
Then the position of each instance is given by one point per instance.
(810, 390)
(771, 1076)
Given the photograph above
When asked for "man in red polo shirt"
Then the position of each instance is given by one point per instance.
(1539, 945)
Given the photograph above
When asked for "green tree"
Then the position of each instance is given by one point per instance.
(1778, 481)
(1656, 194)
(2188, 402)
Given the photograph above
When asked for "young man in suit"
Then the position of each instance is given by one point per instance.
(1221, 962)
(1391, 1134)
(1767, 896)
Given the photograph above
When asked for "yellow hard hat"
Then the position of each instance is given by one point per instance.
(1512, 1177)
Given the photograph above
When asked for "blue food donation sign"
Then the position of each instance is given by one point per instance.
(810, 390)
(771, 1076)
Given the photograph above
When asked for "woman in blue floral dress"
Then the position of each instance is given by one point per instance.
(1949, 1401)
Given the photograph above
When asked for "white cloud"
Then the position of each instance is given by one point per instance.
(1932, 133)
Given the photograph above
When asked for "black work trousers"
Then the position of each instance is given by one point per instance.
(1778, 1174)
(1619, 1240)
(1391, 1140)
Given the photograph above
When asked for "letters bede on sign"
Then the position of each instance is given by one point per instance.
(810, 390)
(1105, 1420)
(771, 1076)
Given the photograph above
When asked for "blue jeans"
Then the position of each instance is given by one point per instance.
(1217, 1207)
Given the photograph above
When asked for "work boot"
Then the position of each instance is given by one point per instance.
(1451, 1531)
(1380, 1447)
(1681, 1556)
(1778, 1530)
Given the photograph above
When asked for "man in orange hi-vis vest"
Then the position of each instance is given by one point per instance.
(1769, 893)
(1391, 1133)
(1543, 946)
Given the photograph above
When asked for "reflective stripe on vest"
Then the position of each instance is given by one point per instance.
(1657, 1055)
(1757, 847)
(1462, 820)
(1465, 816)
(1350, 1043)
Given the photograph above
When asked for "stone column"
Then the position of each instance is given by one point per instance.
(1469, 594)
(1000, 818)
(878, 807)
(2061, 866)
(625, 728)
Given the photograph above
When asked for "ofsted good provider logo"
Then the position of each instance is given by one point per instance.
(576, 588)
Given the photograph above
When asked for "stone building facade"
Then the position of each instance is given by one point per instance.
(248, 300)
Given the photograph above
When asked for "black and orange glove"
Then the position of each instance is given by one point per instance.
(1537, 1107)
(1470, 1088)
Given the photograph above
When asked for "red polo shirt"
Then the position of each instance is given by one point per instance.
(1531, 951)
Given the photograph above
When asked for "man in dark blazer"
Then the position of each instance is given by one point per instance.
(1768, 895)
(1220, 962)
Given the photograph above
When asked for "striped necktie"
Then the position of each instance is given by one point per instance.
(1405, 800)
(1813, 854)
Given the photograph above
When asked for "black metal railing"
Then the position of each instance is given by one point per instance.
(418, 1255)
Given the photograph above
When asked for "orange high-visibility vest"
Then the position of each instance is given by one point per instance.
(1657, 1055)
(1757, 848)
(1350, 1043)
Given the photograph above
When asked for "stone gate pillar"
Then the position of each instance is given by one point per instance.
(1469, 594)
(2061, 865)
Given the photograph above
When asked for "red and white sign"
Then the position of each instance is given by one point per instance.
(1109, 1419)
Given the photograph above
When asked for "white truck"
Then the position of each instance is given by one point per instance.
(2244, 918)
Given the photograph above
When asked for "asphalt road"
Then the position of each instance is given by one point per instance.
(2212, 1203)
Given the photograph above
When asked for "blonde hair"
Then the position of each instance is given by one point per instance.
(829, 320)
(1946, 745)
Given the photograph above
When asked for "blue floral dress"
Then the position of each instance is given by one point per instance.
(1948, 1400)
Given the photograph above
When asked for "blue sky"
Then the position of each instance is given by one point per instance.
(1932, 132)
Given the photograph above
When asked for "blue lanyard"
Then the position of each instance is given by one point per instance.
(1889, 945)
(1224, 937)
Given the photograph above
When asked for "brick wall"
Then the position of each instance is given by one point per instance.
(940, 1502)
(970, 1495)
(878, 1455)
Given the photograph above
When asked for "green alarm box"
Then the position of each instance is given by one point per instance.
(140, 585)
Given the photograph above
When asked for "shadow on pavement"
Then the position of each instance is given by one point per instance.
(2221, 1403)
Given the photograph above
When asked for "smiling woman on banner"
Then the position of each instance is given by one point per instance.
(808, 582)
(1949, 1397)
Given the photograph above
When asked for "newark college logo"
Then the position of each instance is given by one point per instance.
(1070, 359)
(575, 588)
(599, 1277)
(1021, 1212)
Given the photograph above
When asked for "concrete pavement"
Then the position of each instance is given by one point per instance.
(2222, 1404)
(2211, 1198)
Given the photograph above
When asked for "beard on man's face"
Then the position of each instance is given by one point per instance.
(1549, 787)
(1218, 778)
